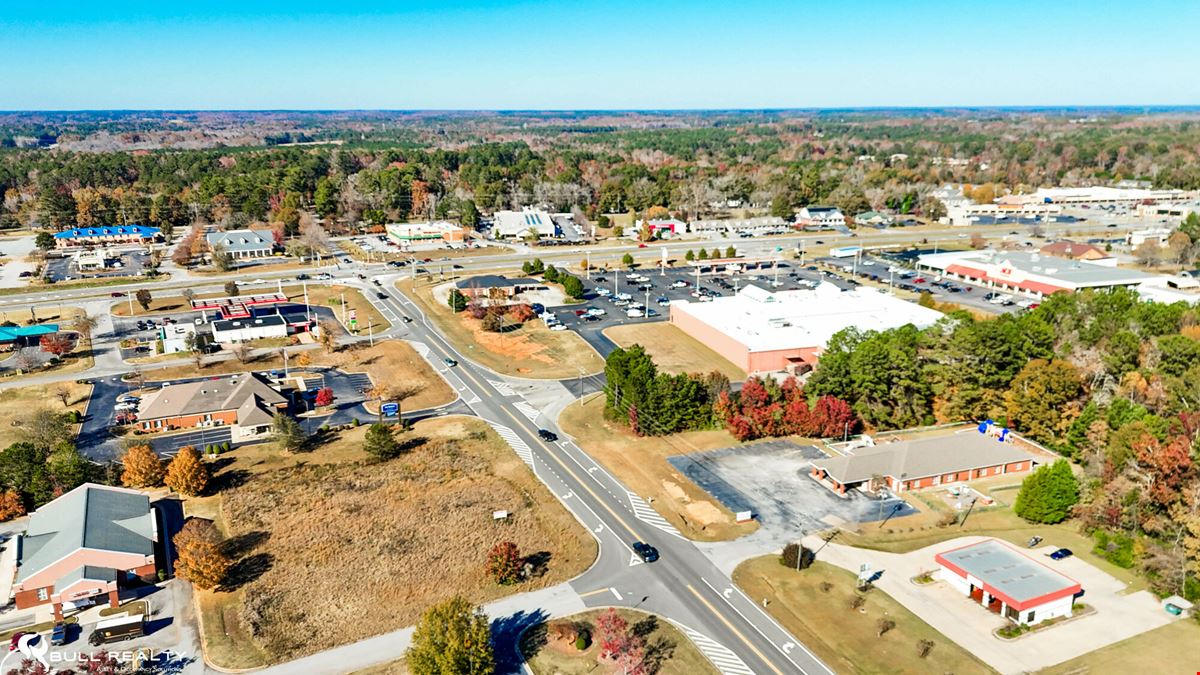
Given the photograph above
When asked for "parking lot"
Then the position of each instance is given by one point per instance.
(897, 271)
(654, 290)
(129, 264)
(770, 479)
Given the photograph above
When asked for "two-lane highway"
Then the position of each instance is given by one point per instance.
(683, 585)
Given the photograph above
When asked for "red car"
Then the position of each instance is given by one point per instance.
(919, 280)
(579, 312)
(641, 246)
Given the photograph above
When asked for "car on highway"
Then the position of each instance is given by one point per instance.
(381, 296)
(324, 276)
(117, 294)
(405, 319)
(645, 551)
(449, 362)
(547, 435)
(302, 277)
(1061, 554)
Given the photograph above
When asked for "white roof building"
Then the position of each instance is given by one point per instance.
(526, 222)
(764, 331)
(1029, 273)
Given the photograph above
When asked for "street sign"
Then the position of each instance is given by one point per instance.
(353, 314)
(390, 409)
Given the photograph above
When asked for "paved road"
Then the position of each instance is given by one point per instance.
(684, 585)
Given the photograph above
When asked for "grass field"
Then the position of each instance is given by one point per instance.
(1161, 650)
(16, 404)
(668, 651)
(641, 463)
(847, 639)
(386, 540)
(673, 350)
(72, 285)
(530, 351)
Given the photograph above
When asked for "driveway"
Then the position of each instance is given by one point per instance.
(1117, 617)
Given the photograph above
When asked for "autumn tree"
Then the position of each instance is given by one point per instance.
(199, 557)
(504, 563)
(56, 344)
(11, 505)
(232, 289)
(143, 467)
(324, 397)
(452, 638)
(143, 298)
(327, 335)
(187, 473)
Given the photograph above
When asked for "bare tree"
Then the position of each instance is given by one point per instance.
(63, 394)
(24, 361)
(189, 295)
(84, 326)
(241, 352)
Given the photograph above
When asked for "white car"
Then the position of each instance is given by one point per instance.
(596, 311)
(679, 284)
(634, 313)
(558, 326)
(624, 296)
(120, 407)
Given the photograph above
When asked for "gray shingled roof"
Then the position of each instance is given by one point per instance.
(90, 516)
(1007, 571)
(234, 241)
(495, 281)
(922, 457)
(88, 572)
(207, 396)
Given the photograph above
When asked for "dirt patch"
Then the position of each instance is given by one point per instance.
(673, 350)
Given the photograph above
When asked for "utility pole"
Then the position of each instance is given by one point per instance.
(343, 308)
(587, 269)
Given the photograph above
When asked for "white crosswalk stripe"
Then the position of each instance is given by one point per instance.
(646, 513)
(422, 349)
(721, 656)
(514, 441)
(502, 388)
(531, 413)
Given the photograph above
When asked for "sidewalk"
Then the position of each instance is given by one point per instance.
(508, 616)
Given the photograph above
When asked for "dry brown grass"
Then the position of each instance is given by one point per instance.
(351, 548)
(397, 667)
(673, 350)
(641, 463)
(18, 403)
(530, 351)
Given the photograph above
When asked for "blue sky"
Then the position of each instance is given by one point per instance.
(256, 54)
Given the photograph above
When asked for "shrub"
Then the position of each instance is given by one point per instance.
(354, 422)
(883, 626)
(857, 601)
(1116, 548)
(826, 587)
(581, 642)
(924, 647)
(796, 557)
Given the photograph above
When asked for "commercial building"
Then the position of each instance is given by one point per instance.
(664, 228)
(117, 235)
(410, 233)
(493, 285)
(1073, 250)
(246, 402)
(241, 244)
(923, 463)
(1158, 235)
(820, 218)
(528, 222)
(1102, 195)
(263, 326)
(761, 331)
(12, 337)
(175, 337)
(750, 226)
(1031, 274)
(83, 546)
(873, 219)
(1008, 582)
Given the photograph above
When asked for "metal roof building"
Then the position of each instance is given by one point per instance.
(526, 222)
(1008, 582)
(1033, 274)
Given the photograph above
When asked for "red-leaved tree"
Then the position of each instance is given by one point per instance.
(324, 397)
(504, 563)
(57, 344)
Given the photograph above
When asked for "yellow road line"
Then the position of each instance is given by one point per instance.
(736, 632)
(561, 463)
(598, 591)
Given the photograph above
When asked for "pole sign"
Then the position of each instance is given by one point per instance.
(353, 319)
(390, 409)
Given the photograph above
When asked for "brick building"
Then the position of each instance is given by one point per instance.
(83, 546)
(246, 402)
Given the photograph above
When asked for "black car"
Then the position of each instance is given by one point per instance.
(381, 296)
(302, 277)
(645, 551)
(547, 435)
